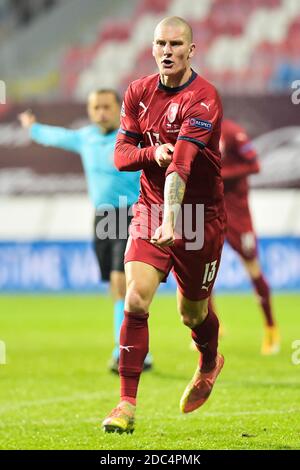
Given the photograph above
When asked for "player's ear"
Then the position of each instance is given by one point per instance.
(191, 51)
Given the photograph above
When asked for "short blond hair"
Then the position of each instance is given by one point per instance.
(177, 21)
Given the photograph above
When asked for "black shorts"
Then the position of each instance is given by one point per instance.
(110, 240)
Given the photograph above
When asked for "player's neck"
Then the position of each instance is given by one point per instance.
(176, 80)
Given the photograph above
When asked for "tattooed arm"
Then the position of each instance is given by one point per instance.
(173, 197)
(176, 179)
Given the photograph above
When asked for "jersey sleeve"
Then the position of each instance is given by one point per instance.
(129, 115)
(67, 139)
(200, 119)
(184, 154)
(127, 155)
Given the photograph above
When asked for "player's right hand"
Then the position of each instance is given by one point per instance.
(163, 155)
(164, 235)
(27, 118)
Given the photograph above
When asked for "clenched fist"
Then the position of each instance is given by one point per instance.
(163, 155)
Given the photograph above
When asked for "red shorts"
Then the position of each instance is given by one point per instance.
(240, 234)
(194, 270)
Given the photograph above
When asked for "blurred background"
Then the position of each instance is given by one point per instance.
(53, 52)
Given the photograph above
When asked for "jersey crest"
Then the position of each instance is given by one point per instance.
(172, 112)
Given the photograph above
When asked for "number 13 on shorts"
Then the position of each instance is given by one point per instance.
(210, 272)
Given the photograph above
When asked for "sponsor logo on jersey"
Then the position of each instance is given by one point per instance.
(207, 106)
(195, 122)
(172, 112)
(142, 105)
(205, 287)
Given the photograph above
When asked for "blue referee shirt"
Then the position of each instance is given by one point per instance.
(105, 183)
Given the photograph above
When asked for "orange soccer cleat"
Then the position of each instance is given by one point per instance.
(121, 419)
(200, 387)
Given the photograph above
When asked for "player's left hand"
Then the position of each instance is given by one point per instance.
(163, 236)
(164, 154)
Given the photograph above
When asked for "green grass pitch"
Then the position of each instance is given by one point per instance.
(55, 388)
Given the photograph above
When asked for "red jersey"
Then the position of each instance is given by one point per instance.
(239, 160)
(188, 116)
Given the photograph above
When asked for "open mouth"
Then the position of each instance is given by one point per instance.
(167, 63)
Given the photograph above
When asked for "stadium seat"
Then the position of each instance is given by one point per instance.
(232, 38)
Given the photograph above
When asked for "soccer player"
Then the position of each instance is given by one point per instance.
(95, 143)
(239, 160)
(176, 116)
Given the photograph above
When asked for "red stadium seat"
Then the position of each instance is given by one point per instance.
(152, 6)
(115, 30)
(225, 18)
(75, 60)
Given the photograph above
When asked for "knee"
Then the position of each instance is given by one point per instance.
(189, 321)
(135, 300)
(192, 319)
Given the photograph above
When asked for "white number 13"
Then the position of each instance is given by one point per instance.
(155, 135)
(210, 272)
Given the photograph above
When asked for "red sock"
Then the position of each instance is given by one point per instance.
(263, 291)
(206, 339)
(134, 341)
